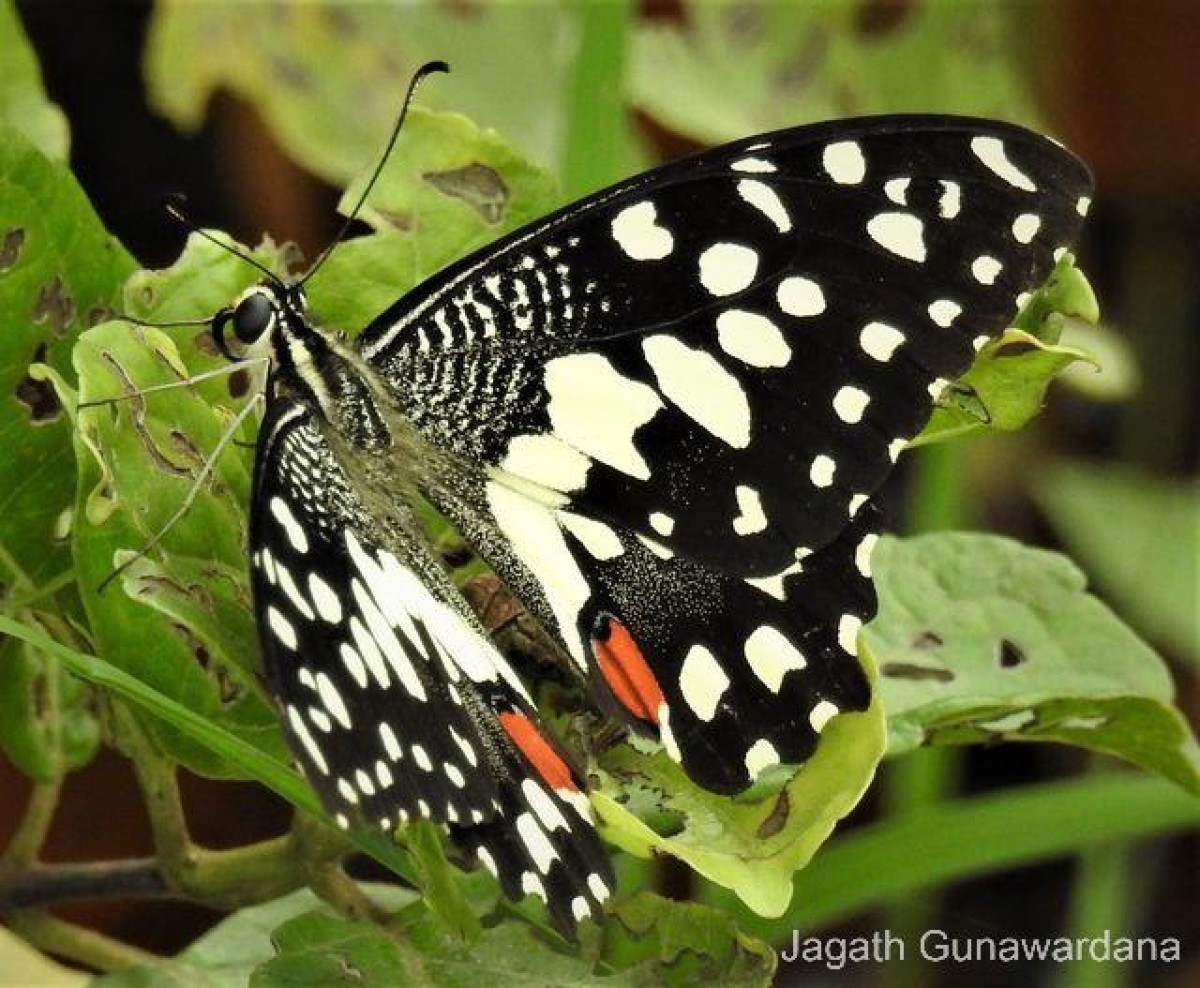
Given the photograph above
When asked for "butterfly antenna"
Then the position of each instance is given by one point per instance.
(250, 363)
(427, 69)
(205, 472)
(177, 214)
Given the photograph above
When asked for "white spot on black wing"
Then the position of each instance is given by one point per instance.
(844, 162)
(726, 268)
(636, 230)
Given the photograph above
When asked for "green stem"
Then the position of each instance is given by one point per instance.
(160, 791)
(31, 834)
(925, 778)
(74, 943)
(595, 112)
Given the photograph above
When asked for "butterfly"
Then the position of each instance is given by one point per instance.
(661, 415)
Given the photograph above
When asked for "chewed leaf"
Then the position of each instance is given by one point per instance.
(981, 639)
(1004, 390)
(301, 71)
(153, 448)
(59, 272)
(753, 845)
(1006, 387)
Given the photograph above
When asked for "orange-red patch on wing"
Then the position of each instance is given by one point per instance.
(627, 673)
(538, 752)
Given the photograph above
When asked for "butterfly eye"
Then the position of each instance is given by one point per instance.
(253, 317)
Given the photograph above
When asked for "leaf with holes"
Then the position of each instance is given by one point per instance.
(982, 639)
(731, 69)
(755, 844)
(302, 70)
(138, 460)
(1007, 385)
(59, 272)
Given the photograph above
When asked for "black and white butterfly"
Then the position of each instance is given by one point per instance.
(661, 415)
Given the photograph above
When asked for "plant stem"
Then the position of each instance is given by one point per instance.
(74, 943)
(35, 825)
(595, 112)
(44, 885)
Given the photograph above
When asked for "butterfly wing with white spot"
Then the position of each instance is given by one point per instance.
(727, 353)
(733, 674)
(395, 702)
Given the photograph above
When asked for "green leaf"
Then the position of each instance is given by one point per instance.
(647, 941)
(23, 101)
(226, 955)
(454, 186)
(1006, 386)
(440, 884)
(981, 639)
(46, 723)
(448, 188)
(303, 68)
(59, 271)
(959, 839)
(751, 845)
(139, 459)
(683, 944)
(728, 69)
(1139, 538)
(251, 762)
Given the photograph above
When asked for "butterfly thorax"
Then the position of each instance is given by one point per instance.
(363, 417)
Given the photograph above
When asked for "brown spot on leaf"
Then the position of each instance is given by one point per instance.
(54, 306)
(1014, 348)
(182, 442)
(98, 314)
(479, 186)
(205, 343)
(927, 641)
(239, 383)
(777, 818)
(915, 673)
(291, 72)
(229, 690)
(10, 248)
(801, 69)
(965, 399)
(38, 397)
(745, 24)
(1009, 654)
(877, 18)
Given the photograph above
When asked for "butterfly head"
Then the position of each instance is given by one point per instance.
(256, 317)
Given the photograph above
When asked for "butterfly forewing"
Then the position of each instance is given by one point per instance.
(395, 702)
(679, 396)
(727, 353)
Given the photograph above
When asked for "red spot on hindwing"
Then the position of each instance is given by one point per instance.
(540, 754)
(626, 670)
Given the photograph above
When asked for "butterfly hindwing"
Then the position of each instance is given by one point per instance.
(394, 700)
(733, 674)
(727, 353)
